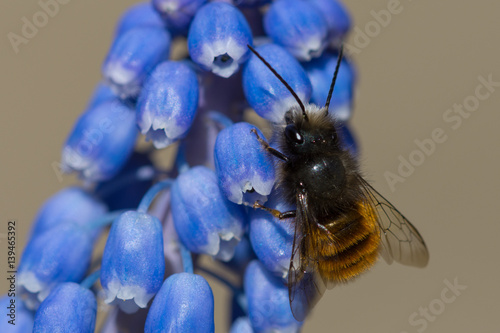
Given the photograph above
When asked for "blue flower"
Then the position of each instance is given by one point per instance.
(60, 254)
(268, 303)
(101, 141)
(178, 14)
(264, 92)
(245, 170)
(17, 319)
(218, 38)
(205, 220)
(337, 18)
(185, 303)
(70, 205)
(193, 102)
(139, 15)
(133, 263)
(167, 103)
(298, 26)
(320, 72)
(68, 308)
(272, 238)
(133, 56)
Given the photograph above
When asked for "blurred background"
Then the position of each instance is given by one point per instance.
(416, 67)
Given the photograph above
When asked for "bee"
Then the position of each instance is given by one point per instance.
(342, 224)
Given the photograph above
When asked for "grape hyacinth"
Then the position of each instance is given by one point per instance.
(207, 103)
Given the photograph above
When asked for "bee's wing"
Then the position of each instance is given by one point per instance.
(400, 240)
(305, 285)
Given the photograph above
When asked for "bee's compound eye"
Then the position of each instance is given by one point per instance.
(293, 135)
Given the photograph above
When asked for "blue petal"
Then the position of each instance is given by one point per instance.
(168, 102)
(298, 26)
(17, 318)
(70, 205)
(243, 165)
(68, 308)
(178, 14)
(60, 254)
(139, 15)
(268, 302)
(133, 56)
(272, 238)
(264, 92)
(185, 303)
(101, 141)
(337, 18)
(320, 72)
(205, 220)
(218, 38)
(133, 263)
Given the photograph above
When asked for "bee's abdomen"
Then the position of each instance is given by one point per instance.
(354, 249)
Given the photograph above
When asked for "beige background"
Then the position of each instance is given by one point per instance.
(426, 59)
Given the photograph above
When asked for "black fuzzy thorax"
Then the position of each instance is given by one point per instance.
(319, 169)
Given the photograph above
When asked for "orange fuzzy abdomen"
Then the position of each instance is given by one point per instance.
(352, 246)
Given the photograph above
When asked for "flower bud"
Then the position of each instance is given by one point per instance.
(245, 170)
(133, 263)
(101, 141)
(60, 254)
(298, 26)
(168, 102)
(69, 308)
(264, 92)
(133, 56)
(205, 220)
(268, 302)
(218, 38)
(185, 303)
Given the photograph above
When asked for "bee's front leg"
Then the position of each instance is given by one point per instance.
(276, 213)
(268, 148)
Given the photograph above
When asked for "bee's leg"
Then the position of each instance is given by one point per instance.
(276, 213)
(269, 149)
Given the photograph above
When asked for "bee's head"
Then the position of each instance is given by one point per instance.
(312, 133)
(309, 127)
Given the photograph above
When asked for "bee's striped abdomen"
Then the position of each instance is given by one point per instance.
(355, 246)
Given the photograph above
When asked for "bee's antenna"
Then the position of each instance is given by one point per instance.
(282, 81)
(332, 85)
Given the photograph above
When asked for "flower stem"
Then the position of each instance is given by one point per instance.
(219, 118)
(187, 260)
(91, 279)
(219, 278)
(147, 199)
(105, 220)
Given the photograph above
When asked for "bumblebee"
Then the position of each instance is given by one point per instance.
(342, 224)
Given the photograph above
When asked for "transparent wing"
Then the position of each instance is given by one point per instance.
(305, 285)
(400, 240)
